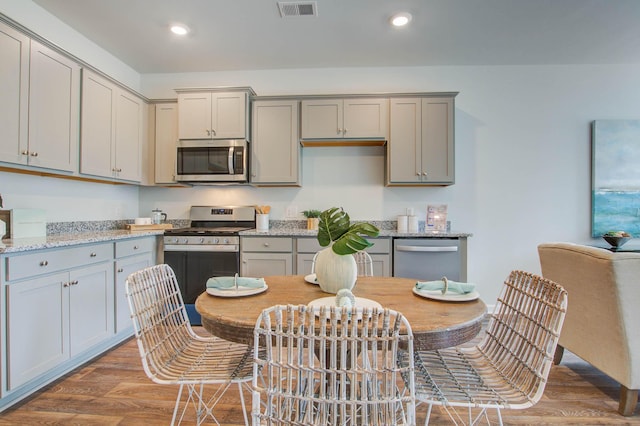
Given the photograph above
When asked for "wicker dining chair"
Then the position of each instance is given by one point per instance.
(509, 367)
(331, 366)
(172, 353)
(363, 261)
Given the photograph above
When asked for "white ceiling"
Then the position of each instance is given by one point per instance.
(251, 34)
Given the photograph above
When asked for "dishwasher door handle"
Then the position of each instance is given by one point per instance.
(431, 249)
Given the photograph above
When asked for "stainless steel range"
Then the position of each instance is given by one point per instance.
(210, 247)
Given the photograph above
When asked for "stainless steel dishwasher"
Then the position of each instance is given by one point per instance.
(428, 259)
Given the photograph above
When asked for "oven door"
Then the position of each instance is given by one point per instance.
(194, 268)
(212, 161)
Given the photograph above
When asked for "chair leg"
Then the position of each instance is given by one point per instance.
(628, 401)
(175, 409)
(244, 408)
(557, 357)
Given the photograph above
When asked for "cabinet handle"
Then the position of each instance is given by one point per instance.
(266, 244)
(136, 247)
(44, 263)
(339, 130)
(119, 169)
(120, 270)
(66, 284)
(424, 173)
(34, 154)
(344, 131)
(75, 282)
(93, 255)
(208, 132)
(213, 131)
(25, 152)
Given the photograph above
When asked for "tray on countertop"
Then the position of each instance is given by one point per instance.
(155, 227)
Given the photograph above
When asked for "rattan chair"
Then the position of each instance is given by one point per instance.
(509, 367)
(363, 261)
(331, 366)
(173, 354)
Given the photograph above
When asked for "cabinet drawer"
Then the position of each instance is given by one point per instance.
(134, 246)
(48, 261)
(268, 244)
(311, 245)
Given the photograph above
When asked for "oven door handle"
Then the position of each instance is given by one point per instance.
(427, 248)
(207, 248)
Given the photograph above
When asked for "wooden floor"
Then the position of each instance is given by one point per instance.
(113, 390)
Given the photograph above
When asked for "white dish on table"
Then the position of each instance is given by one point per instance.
(361, 302)
(448, 296)
(239, 292)
(311, 279)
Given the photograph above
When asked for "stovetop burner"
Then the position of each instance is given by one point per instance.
(196, 230)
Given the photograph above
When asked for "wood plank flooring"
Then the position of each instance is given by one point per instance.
(113, 390)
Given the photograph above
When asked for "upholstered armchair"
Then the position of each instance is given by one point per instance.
(602, 324)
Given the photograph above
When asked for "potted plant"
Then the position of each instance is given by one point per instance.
(335, 267)
(313, 217)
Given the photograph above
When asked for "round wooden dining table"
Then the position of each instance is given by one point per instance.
(435, 324)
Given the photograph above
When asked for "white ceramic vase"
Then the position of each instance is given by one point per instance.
(335, 272)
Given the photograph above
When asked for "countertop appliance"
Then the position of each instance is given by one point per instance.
(211, 161)
(210, 247)
(427, 259)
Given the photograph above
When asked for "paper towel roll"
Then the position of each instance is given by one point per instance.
(413, 224)
(402, 223)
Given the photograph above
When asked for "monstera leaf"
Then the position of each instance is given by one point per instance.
(335, 226)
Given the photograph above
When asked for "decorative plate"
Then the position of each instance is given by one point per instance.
(239, 292)
(311, 279)
(447, 297)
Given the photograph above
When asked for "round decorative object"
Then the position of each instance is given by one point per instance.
(335, 272)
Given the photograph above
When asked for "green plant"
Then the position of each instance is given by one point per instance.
(311, 213)
(335, 226)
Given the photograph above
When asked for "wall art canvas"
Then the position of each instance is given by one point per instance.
(615, 177)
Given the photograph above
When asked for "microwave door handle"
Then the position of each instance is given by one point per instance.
(230, 160)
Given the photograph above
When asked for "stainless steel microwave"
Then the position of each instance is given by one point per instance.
(210, 161)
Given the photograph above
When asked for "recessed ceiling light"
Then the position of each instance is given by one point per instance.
(179, 29)
(400, 19)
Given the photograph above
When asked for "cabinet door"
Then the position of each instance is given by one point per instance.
(14, 102)
(166, 138)
(124, 268)
(54, 102)
(366, 118)
(37, 324)
(404, 159)
(127, 145)
(229, 115)
(437, 140)
(91, 306)
(322, 119)
(381, 265)
(304, 263)
(275, 151)
(194, 115)
(263, 264)
(98, 125)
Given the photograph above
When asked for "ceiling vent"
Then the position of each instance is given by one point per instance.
(290, 9)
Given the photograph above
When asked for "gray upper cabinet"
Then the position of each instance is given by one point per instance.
(275, 151)
(39, 104)
(166, 136)
(112, 130)
(14, 102)
(345, 118)
(421, 143)
(213, 115)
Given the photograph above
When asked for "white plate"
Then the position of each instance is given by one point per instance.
(240, 292)
(448, 297)
(361, 302)
(311, 279)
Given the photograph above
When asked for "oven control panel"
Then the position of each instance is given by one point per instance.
(200, 240)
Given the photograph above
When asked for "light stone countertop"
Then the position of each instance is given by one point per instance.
(70, 239)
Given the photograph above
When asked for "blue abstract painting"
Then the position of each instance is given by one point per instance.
(615, 177)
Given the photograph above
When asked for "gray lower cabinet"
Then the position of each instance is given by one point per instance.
(263, 256)
(61, 307)
(131, 256)
(380, 254)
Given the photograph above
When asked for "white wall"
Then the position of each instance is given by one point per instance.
(522, 151)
